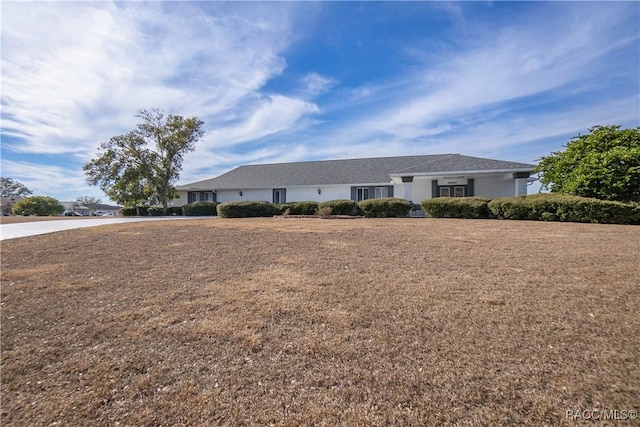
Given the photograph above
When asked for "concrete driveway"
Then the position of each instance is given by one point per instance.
(24, 229)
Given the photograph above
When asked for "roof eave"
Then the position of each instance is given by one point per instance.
(464, 172)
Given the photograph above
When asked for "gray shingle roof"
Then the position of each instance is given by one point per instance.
(349, 171)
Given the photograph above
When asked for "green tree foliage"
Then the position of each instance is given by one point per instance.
(88, 201)
(141, 167)
(11, 188)
(38, 205)
(604, 164)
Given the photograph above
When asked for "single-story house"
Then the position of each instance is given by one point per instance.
(75, 207)
(97, 209)
(414, 178)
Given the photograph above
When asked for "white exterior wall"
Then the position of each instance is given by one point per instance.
(327, 192)
(495, 187)
(421, 189)
(265, 195)
(182, 200)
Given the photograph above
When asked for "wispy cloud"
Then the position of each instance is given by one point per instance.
(482, 99)
(315, 84)
(50, 179)
(518, 81)
(73, 76)
(462, 88)
(271, 115)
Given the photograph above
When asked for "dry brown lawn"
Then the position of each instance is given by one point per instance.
(320, 322)
(19, 219)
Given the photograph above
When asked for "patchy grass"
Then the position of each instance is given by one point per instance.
(314, 322)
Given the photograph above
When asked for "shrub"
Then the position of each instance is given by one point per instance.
(340, 206)
(303, 208)
(174, 210)
(385, 207)
(456, 207)
(131, 211)
(247, 209)
(155, 211)
(38, 205)
(324, 211)
(200, 209)
(563, 207)
(509, 208)
(282, 208)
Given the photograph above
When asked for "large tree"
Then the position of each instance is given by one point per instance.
(604, 164)
(142, 166)
(11, 188)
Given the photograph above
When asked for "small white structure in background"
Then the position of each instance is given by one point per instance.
(414, 178)
(75, 209)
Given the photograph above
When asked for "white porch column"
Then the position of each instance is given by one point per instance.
(407, 184)
(521, 179)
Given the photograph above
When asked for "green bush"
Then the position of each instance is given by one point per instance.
(174, 210)
(281, 208)
(340, 206)
(200, 209)
(131, 211)
(563, 207)
(303, 208)
(456, 207)
(246, 209)
(385, 208)
(155, 211)
(509, 208)
(38, 205)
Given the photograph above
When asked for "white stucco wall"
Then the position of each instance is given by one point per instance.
(495, 187)
(180, 201)
(327, 192)
(421, 189)
(265, 195)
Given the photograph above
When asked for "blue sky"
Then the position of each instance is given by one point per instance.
(294, 81)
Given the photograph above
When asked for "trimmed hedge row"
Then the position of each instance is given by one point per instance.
(298, 208)
(341, 207)
(456, 207)
(247, 209)
(200, 209)
(537, 207)
(131, 211)
(155, 211)
(151, 211)
(385, 207)
(563, 207)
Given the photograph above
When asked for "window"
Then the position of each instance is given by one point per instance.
(458, 191)
(382, 192)
(362, 194)
(279, 196)
(445, 192)
(201, 196)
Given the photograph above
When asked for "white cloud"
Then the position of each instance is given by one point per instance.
(463, 89)
(316, 84)
(272, 115)
(44, 180)
(75, 74)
